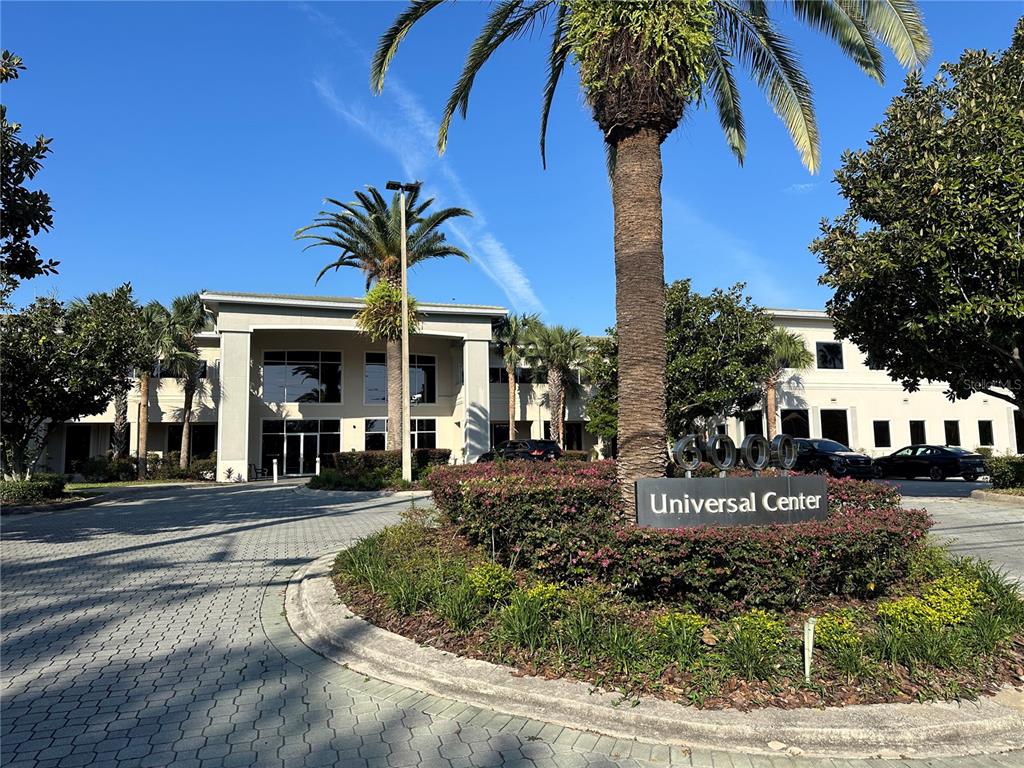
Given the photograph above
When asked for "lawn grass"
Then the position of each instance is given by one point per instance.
(87, 486)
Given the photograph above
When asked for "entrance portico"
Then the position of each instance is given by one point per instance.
(299, 380)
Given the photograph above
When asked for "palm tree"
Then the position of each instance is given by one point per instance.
(368, 235)
(512, 335)
(153, 330)
(642, 65)
(785, 350)
(558, 352)
(188, 317)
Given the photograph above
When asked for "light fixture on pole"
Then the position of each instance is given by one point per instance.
(397, 186)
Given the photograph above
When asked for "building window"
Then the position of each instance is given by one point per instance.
(498, 375)
(721, 429)
(296, 444)
(882, 437)
(301, 377)
(423, 433)
(375, 379)
(830, 355)
(985, 436)
(917, 433)
(795, 422)
(202, 440)
(753, 423)
(376, 435)
(423, 379)
(573, 434)
(834, 425)
(952, 429)
(499, 433)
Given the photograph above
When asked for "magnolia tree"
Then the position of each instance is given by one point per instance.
(58, 363)
(927, 262)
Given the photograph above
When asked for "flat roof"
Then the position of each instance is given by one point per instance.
(796, 314)
(339, 302)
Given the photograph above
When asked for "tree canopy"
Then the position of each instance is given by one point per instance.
(927, 262)
(718, 360)
(26, 212)
(59, 363)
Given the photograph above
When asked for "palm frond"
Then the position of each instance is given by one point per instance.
(771, 63)
(556, 63)
(722, 85)
(898, 24)
(390, 40)
(843, 21)
(507, 20)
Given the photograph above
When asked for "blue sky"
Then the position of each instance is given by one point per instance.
(190, 140)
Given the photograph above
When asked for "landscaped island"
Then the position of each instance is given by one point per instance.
(535, 566)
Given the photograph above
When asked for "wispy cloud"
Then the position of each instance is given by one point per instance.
(397, 122)
(802, 189)
(707, 242)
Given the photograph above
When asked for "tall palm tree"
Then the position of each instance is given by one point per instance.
(558, 352)
(512, 336)
(785, 350)
(368, 236)
(642, 65)
(188, 317)
(153, 330)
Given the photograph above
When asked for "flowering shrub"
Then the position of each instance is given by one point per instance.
(568, 525)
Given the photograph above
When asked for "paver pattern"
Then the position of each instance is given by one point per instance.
(135, 635)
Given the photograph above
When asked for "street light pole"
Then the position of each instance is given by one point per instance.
(406, 400)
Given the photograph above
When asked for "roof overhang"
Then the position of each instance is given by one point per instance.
(215, 299)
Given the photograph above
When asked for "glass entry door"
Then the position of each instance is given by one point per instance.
(295, 444)
(300, 453)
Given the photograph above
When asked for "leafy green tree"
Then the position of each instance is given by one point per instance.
(60, 363)
(368, 236)
(180, 353)
(643, 66)
(512, 336)
(602, 407)
(26, 212)
(557, 352)
(718, 361)
(927, 262)
(786, 351)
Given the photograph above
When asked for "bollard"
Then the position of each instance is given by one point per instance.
(808, 647)
(318, 466)
(275, 471)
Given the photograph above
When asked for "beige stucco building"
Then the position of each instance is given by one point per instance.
(291, 378)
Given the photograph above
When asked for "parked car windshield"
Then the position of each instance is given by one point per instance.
(829, 446)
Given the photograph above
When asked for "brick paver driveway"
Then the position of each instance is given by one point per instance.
(132, 637)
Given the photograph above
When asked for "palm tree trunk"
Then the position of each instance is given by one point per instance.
(556, 402)
(770, 398)
(639, 309)
(186, 426)
(119, 436)
(511, 371)
(394, 365)
(143, 424)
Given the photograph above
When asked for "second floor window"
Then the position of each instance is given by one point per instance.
(302, 377)
(423, 379)
(830, 355)
(375, 379)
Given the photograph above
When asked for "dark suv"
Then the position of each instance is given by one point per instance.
(820, 455)
(526, 450)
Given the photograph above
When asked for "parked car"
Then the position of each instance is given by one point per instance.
(935, 461)
(524, 450)
(821, 455)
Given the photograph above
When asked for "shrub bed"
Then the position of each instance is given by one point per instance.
(1006, 471)
(40, 489)
(376, 470)
(951, 629)
(568, 525)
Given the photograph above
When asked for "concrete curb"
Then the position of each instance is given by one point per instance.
(351, 496)
(1001, 498)
(323, 623)
(57, 507)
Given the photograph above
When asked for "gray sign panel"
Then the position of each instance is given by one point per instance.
(699, 501)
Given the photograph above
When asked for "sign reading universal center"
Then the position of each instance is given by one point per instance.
(694, 502)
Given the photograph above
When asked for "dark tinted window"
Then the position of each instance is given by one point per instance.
(881, 429)
(917, 433)
(952, 430)
(795, 422)
(830, 354)
(985, 433)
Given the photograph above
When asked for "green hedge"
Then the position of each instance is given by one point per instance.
(1006, 471)
(575, 455)
(566, 523)
(358, 462)
(40, 488)
(107, 469)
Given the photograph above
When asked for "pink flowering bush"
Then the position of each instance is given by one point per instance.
(566, 522)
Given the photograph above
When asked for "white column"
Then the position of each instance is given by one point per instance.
(476, 357)
(233, 406)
